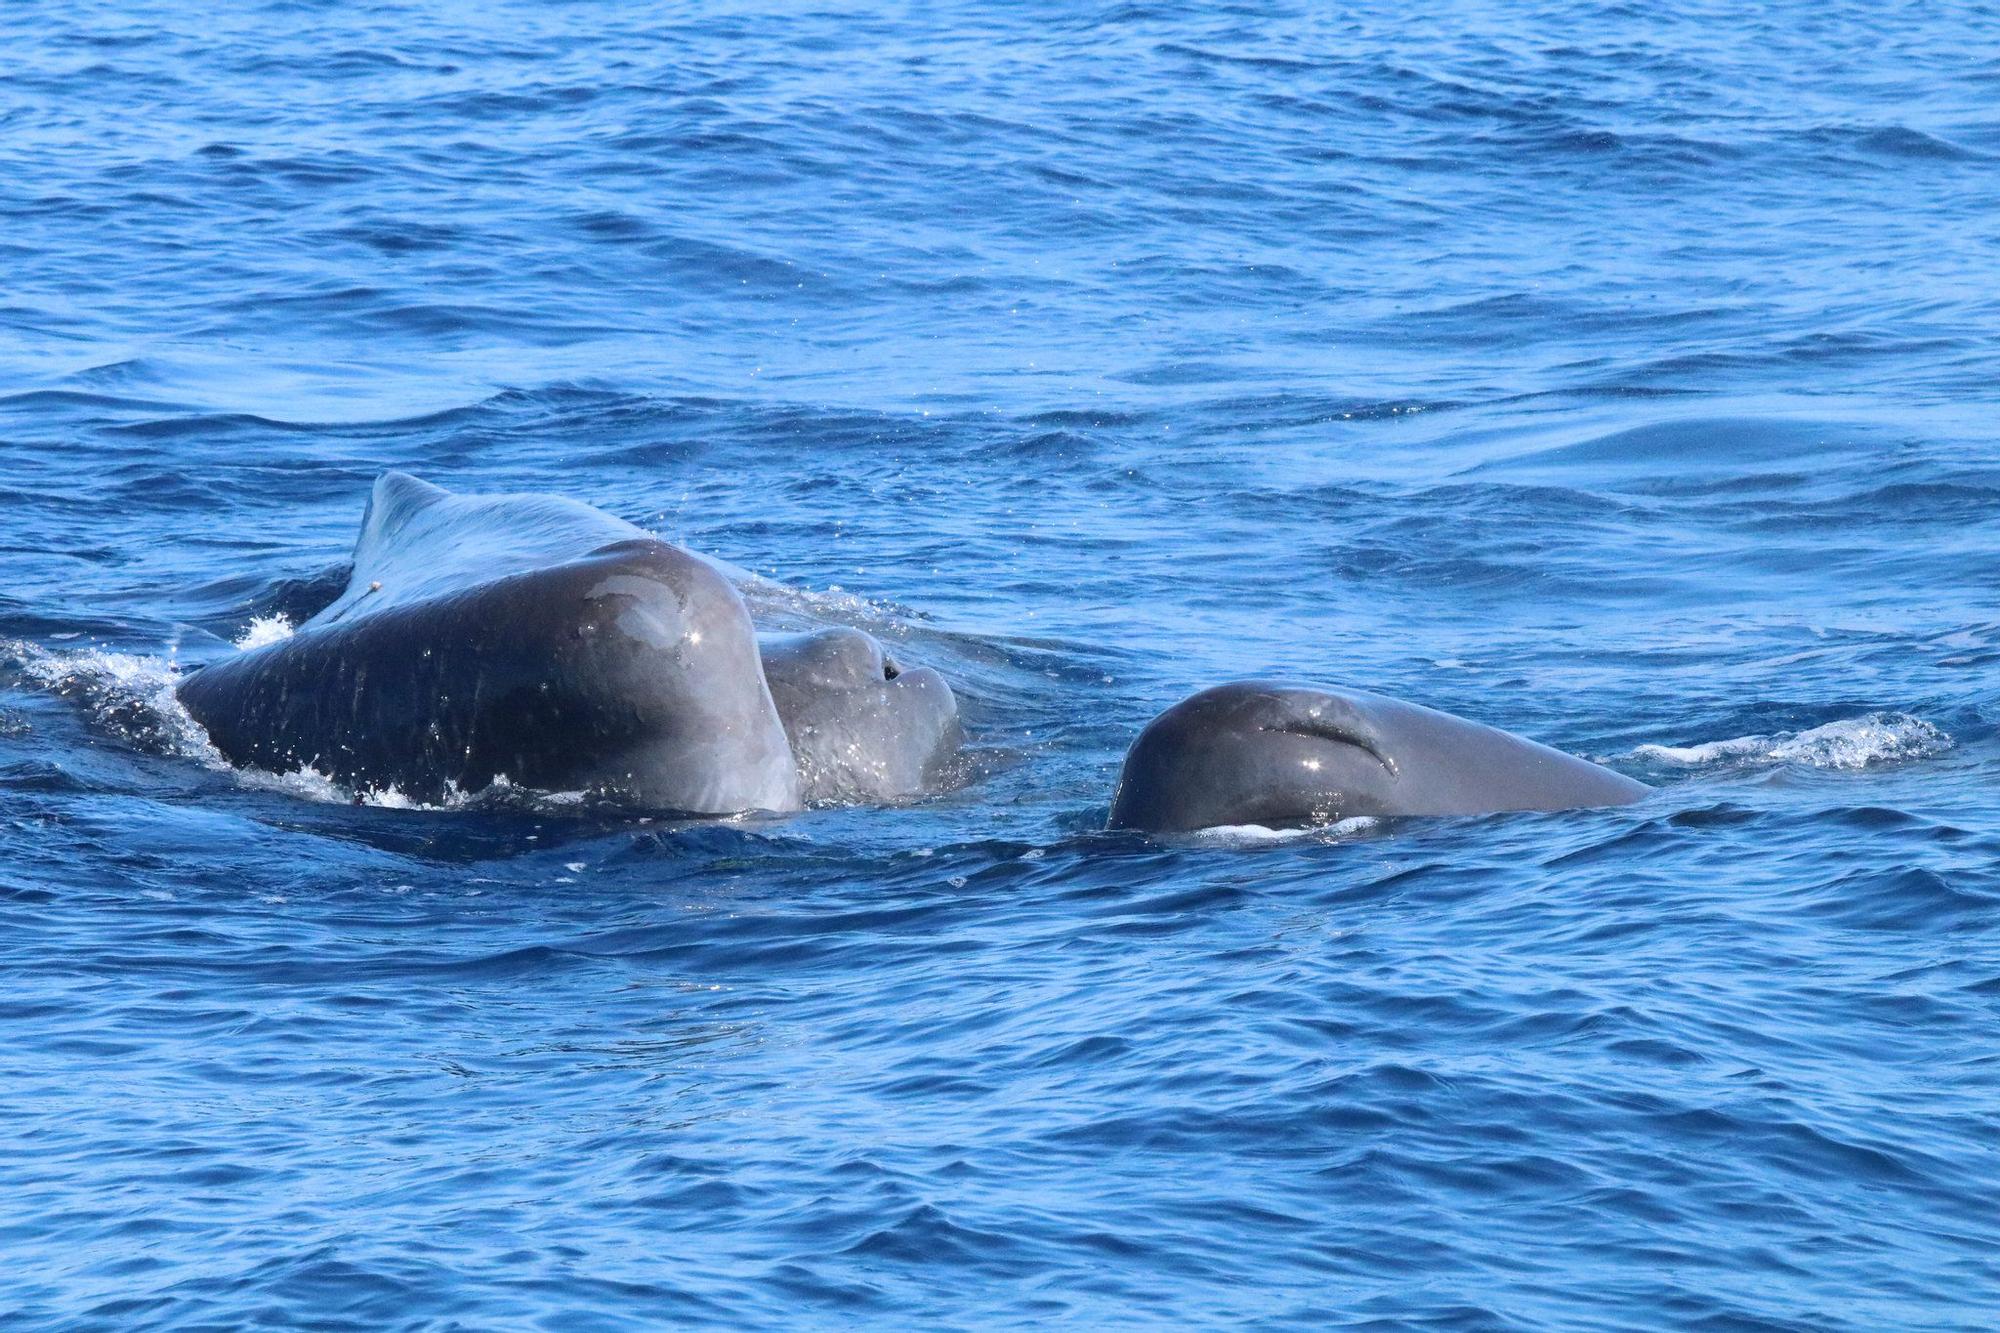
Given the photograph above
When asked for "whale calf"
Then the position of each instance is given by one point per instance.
(862, 726)
(543, 640)
(1288, 755)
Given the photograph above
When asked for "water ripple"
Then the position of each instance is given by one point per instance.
(1617, 376)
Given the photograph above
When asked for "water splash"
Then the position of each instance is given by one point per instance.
(1850, 743)
(132, 696)
(263, 630)
(129, 694)
(1259, 835)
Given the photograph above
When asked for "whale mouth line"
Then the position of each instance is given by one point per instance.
(1338, 735)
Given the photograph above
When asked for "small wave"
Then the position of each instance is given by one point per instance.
(792, 607)
(1847, 744)
(130, 695)
(1686, 451)
(1904, 142)
(309, 784)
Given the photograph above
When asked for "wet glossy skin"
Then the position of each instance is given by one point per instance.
(1281, 754)
(862, 727)
(541, 639)
(475, 641)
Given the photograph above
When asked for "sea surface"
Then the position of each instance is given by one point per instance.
(1624, 375)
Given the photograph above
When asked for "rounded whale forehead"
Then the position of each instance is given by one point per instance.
(835, 658)
(659, 599)
(1270, 752)
(1257, 705)
(1274, 725)
(844, 672)
(862, 728)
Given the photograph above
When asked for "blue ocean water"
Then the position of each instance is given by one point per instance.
(1622, 375)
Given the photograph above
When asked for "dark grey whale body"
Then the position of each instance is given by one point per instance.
(1286, 755)
(862, 726)
(533, 638)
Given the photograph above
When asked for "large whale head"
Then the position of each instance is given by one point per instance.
(1254, 752)
(516, 636)
(862, 726)
(1287, 755)
(655, 653)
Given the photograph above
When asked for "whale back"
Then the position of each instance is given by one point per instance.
(419, 541)
(1451, 765)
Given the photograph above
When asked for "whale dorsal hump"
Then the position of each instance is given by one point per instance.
(397, 498)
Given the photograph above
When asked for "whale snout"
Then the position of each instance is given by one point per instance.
(921, 711)
(1287, 755)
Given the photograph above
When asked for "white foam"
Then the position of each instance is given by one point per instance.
(264, 630)
(1847, 744)
(1246, 835)
(1253, 835)
(835, 606)
(308, 783)
(134, 696)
